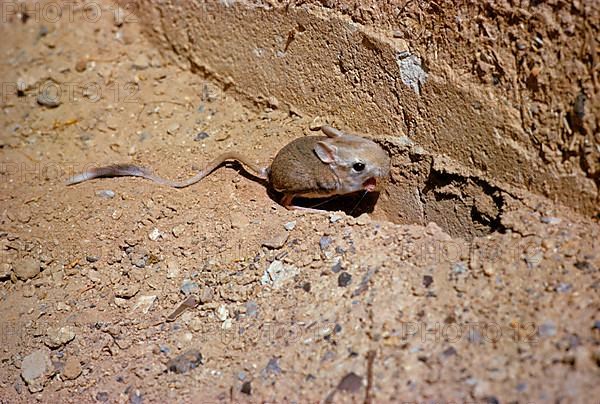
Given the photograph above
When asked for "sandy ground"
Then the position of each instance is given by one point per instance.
(294, 307)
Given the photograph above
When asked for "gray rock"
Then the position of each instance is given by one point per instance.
(272, 367)
(350, 383)
(200, 136)
(106, 193)
(550, 220)
(188, 287)
(335, 217)
(49, 98)
(59, 336)
(136, 397)
(344, 279)
(92, 258)
(36, 369)
(459, 268)
(325, 242)
(277, 273)
(27, 268)
(185, 362)
(411, 72)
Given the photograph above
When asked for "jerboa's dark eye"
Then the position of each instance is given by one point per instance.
(358, 166)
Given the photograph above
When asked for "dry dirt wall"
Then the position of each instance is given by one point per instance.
(508, 91)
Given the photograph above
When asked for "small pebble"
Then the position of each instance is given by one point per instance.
(178, 230)
(337, 267)
(27, 268)
(47, 99)
(172, 269)
(335, 217)
(207, 295)
(547, 329)
(106, 193)
(316, 123)
(189, 287)
(145, 303)
(344, 279)
(363, 219)
(277, 273)
(92, 258)
(290, 225)
(273, 102)
(155, 234)
(81, 65)
(459, 268)
(72, 369)
(141, 62)
(127, 291)
(238, 220)
(173, 128)
(488, 269)
(5, 270)
(550, 220)
(185, 362)
(222, 313)
(102, 396)
(350, 383)
(200, 136)
(136, 397)
(427, 280)
(451, 351)
(59, 336)
(247, 388)
(276, 241)
(325, 242)
(272, 367)
(563, 287)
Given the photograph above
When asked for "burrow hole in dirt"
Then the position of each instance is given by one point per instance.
(418, 193)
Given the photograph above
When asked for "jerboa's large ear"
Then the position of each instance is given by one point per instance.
(326, 152)
(332, 132)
